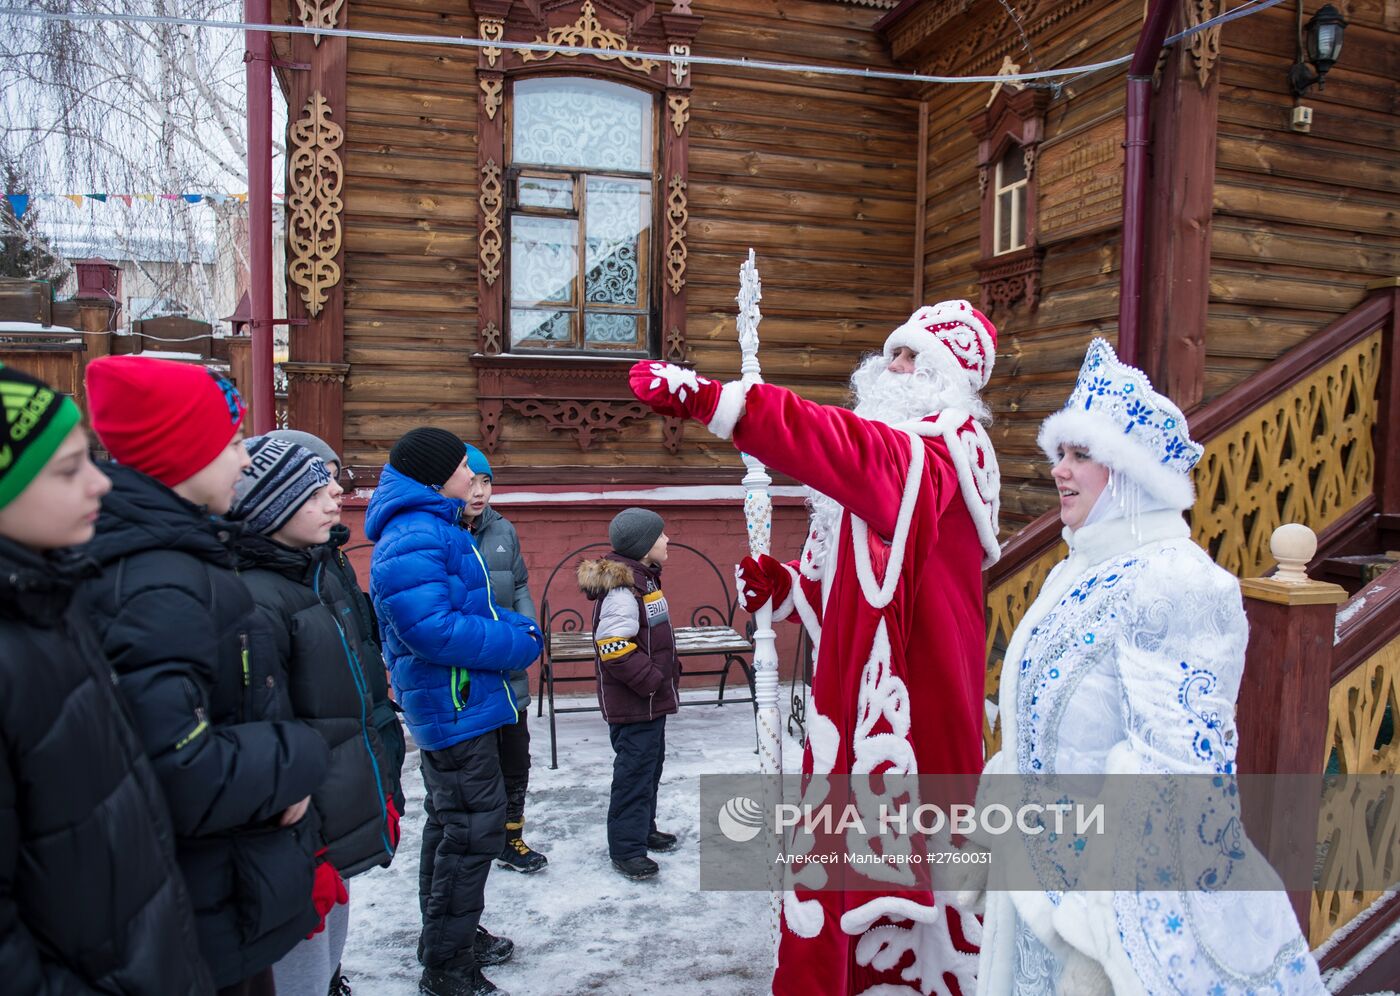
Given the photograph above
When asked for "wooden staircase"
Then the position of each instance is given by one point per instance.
(1315, 439)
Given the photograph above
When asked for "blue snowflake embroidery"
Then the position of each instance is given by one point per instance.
(1164, 877)
(1296, 966)
(1140, 413)
(1079, 845)
(1173, 923)
(1217, 990)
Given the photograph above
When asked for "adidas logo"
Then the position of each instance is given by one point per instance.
(500, 549)
(24, 405)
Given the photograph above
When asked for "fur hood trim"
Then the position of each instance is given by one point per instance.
(598, 577)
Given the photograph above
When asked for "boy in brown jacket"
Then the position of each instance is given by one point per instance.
(638, 675)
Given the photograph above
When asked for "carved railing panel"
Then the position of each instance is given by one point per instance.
(1006, 604)
(1362, 712)
(1304, 456)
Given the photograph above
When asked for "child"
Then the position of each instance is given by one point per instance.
(638, 674)
(288, 503)
(386, 717)
(499, 544)
(450, 651)
(90, 895)
(175, 620)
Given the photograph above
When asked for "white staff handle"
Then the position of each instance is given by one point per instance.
(758, 517)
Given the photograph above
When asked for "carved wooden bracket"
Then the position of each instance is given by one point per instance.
(318, 14)
(1204, 45)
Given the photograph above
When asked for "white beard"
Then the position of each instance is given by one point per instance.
(892, 398)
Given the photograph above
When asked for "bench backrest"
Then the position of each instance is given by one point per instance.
(696, 590)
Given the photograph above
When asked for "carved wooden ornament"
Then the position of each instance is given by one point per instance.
(318, 14)
(314, 175)
(492, 245)
(677, 215)
(587, 32)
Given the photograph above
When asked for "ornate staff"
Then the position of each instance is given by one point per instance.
(758, 515)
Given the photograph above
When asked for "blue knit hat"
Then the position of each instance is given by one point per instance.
(477, 462)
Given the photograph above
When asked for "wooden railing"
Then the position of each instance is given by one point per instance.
(1293, 443)
(1363, 709)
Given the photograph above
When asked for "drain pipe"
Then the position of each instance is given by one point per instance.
(1137, 137)
(258, 58)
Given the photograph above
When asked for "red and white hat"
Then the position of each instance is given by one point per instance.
(955, 335)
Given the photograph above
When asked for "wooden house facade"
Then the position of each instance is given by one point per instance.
(463, 284)
(486, 238)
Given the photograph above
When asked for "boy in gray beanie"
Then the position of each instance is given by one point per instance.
(638, 680)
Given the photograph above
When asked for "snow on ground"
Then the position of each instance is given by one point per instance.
(578, 926)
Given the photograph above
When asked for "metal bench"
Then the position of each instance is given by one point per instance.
(711, 633)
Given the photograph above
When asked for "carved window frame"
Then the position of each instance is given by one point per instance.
(1014, 119)
(582, 394)
(652, 242)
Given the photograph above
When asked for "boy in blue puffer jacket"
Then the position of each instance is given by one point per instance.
(450, 651)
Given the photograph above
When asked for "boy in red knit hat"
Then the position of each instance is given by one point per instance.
(174, 620)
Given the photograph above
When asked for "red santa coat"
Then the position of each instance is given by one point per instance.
(895, 607)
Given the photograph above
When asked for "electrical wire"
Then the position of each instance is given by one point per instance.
(665, 57)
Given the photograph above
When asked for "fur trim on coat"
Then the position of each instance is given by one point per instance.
(598, 577)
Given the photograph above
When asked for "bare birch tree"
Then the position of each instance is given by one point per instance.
(130, 108)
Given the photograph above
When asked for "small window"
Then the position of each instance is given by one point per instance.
(581, 196)
(1009, 199)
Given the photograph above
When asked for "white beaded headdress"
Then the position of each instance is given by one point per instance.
(1126, 425)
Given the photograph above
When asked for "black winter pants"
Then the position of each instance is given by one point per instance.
(641, 750)
(515, 765)
(464, 832)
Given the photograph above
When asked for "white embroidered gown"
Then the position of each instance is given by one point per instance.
(1129, 662)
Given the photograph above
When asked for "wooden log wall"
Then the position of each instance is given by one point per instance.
(1039, 351)
(1302, 221)
(816, 174)
(410, 227)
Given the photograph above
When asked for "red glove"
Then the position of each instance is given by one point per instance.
(760, 580)
(675, 391)
(391, 816)
(327, 890)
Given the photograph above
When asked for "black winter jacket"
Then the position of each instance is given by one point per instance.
(90, 897)
(307, 627)
(174, 620)
(499, 543)
(386, 711)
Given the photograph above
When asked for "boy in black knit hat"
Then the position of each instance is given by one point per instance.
(450, 650)
(638, 680)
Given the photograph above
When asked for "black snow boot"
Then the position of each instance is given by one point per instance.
(660, 840)
(518, 855)
(490, 949)
(637, 868)
(457, 982)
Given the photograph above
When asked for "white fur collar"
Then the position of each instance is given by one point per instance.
(1102, 540)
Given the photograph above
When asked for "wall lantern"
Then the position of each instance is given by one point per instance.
(1321, 42)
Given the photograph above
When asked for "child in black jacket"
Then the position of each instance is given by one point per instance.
(175, 622)
(90, 896)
